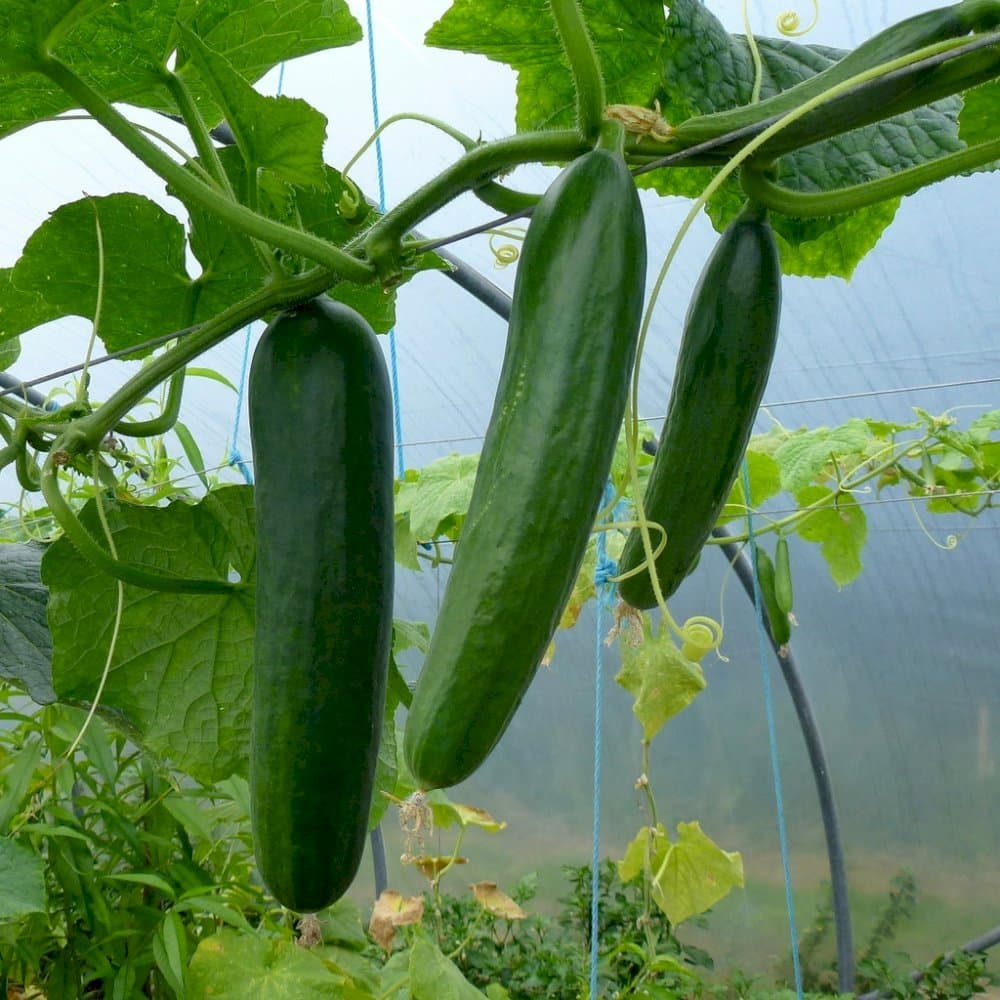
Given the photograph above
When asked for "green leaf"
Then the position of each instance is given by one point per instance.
(22, 881)
(146, 284)
(627, 35)
(10, 349)
(985, 426)
(979, 119)
(255, 967)
(118, 48)
(694, 875)
(24, 629)
(410, 635)
(433, 976)
(840, 529)
(170, 952)
(765, 482)
(387, 765)
(255, 37)
(180, 679)
(341, 924)
(191, 451)
(659, 678)
(805, 456)
(148, 879)
(442, 491)
(282, 134)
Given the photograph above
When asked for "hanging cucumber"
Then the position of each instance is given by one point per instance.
(573, 329)
(725, 356)
(321, 424)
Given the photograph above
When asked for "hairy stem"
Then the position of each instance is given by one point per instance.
(472, 171)
(587, 78)
(289, 291)
(811, 204)
(192, 189)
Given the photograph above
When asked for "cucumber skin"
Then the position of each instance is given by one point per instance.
(574, 324)
(730, 334)
(321, 423)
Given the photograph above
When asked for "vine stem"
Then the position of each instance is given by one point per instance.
(190, 188)
(478, 166)
(91, 429)
(811, 204)
(588, 80)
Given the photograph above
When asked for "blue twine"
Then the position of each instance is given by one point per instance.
(605, 569)
(393, 361)
(772, 735)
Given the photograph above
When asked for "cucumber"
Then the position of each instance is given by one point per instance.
(778, 623)
(574, 324)
(728, 343)
(783, 592)
(321, 424)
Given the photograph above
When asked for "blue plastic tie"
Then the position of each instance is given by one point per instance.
(605, 569)
(393, 361)
(772, 736)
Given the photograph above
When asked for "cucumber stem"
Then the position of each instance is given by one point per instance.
(288, 292)
(588, 81)
(162, 423)
(813, 204)
(382, 244)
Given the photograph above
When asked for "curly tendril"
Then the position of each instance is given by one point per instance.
(505, 254)
(790, 23)
(700, 635)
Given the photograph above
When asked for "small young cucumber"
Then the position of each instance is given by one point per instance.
(321, 424)
(571, 344)
(778, 622)
(725, 357)
(783, 577)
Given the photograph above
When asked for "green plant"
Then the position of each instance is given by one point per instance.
(730, 334)
(558, 409)
(321, 420)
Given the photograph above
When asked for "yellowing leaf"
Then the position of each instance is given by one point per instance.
(431, 866)
(447, 813)
(497, 902)
(394, 910)
(694, 874)
(652, 838)
(660, 679)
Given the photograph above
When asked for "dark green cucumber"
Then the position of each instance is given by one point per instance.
(559, 404)
(725, 357)
(321, 424)
(778, 622)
